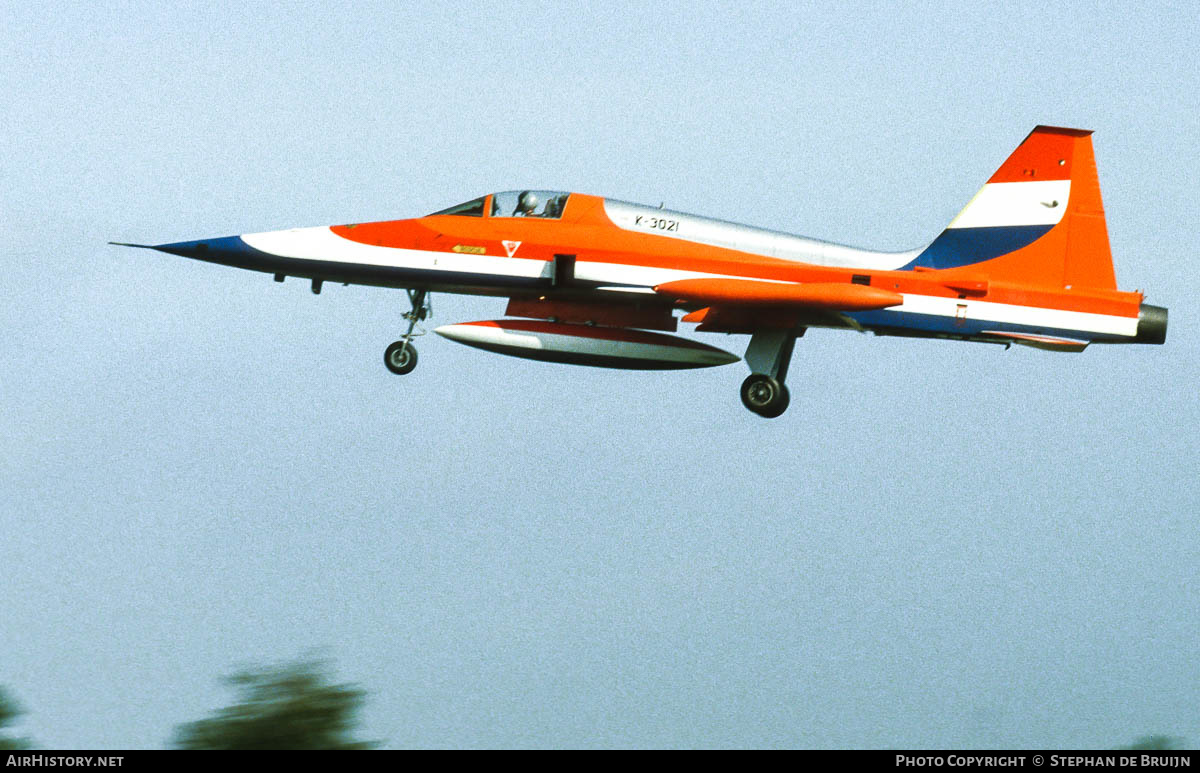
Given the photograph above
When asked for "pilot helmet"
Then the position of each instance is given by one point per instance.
(527, 201)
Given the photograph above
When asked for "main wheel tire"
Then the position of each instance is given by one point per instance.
(781, 405)
(400, 357)
(764, 395)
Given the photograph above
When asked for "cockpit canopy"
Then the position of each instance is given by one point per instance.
(528, 203)
(472, 208)
(547, 204)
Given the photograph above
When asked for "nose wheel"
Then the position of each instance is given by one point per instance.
(401, 356)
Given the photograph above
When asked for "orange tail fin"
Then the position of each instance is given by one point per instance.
(1038, 220)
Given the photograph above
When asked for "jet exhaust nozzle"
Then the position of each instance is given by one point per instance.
(1152, 325)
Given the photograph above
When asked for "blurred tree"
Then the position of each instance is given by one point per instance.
(1153, 743)
(9, 711)
(288, 707)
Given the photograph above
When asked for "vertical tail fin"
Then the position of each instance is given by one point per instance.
(1038, 220)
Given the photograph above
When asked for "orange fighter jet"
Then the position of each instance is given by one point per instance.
(596, 281)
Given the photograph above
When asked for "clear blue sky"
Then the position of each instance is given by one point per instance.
(943, 545)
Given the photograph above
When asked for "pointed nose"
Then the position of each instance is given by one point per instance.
(226, 250)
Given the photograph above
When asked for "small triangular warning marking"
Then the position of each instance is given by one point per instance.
(510, 247)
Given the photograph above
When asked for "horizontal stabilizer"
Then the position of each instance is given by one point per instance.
(839, 296)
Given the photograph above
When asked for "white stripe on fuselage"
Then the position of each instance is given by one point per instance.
(321, 244)
(1033, 316)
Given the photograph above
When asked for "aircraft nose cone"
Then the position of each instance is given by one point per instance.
(196, 249)
(206, 249)
(226, 250)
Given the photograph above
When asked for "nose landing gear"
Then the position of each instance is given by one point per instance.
(401, 356)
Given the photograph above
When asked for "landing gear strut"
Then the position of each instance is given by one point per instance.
(401, 356)
(769, 354)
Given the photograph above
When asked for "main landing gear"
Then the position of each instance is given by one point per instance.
(401, 356)
(769, 354)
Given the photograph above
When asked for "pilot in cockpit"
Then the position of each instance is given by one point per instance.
(526, 203)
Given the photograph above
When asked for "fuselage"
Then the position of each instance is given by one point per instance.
(595, 281)
(619, 252)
